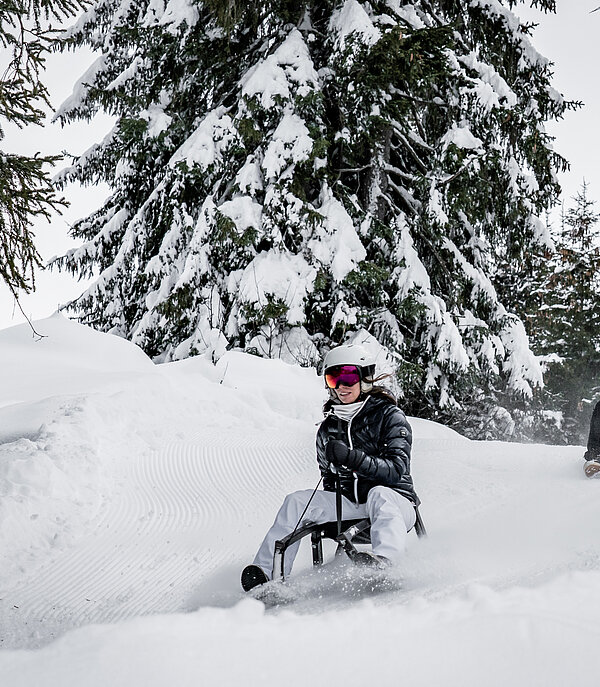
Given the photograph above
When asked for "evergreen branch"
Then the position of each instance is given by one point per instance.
(390, 202)
(25, 191)
(435, 252)
(354, 170)
(419, 125)
(407, 199)
(394, 170)
(400, 134)
(415, 99)
(427, 5)
(452, 177)
(17, 301)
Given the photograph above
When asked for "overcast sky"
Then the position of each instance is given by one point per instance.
(570, 38)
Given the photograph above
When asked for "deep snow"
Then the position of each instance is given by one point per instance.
(132, 494)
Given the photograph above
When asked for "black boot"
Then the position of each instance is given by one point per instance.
(253, 576)
(592, 467)
(367, 559)
(592, 455)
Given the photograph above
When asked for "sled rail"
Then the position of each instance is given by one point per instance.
(353, 532)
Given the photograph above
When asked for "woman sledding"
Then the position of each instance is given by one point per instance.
(366, 440)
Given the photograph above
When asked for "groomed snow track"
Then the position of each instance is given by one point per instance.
(156, 543)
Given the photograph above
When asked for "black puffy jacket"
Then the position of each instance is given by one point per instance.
(379, 429)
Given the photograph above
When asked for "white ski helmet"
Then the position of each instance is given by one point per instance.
(350, 354)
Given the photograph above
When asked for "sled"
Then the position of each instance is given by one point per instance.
(353, 532)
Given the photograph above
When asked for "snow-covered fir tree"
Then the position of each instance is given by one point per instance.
(566, 324)
(288, 175)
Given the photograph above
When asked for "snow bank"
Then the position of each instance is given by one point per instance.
(70, 358)
(55, 432)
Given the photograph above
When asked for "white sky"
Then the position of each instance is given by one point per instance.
(570, 38)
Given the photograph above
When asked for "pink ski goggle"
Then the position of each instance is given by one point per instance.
(348, 375)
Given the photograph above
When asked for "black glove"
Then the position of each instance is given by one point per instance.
(338, 453)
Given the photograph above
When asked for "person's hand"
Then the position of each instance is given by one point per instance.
(338, 454)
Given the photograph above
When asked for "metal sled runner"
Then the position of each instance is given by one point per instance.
(352, 532)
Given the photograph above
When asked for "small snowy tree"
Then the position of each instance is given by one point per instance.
(25, 188)
(566, 326)
(287, 175)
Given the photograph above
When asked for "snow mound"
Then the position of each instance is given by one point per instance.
(70, 358)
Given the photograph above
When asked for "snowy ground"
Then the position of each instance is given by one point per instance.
(132, 494)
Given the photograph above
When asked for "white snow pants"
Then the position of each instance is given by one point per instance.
(391, 515)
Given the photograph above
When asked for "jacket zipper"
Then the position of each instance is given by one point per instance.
(351, 447)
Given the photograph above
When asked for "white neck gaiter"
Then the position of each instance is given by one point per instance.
(346, 411)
